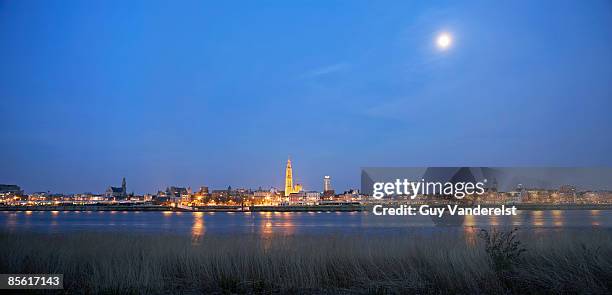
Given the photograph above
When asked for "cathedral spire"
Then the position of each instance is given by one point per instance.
(123, 188)
(288, 178)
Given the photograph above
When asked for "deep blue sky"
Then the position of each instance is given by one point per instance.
(199, 93)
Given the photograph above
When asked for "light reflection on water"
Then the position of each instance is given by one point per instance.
(557, 217)
(596, 217)
(198, 229)
(494, 220)
(267, 224)
(469, 220)
(538, 218)
(516, 219)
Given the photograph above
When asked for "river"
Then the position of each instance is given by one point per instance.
(198, 224)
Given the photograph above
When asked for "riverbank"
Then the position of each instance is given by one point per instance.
(312, 208)
(321, 208)
(555, 262)
(220, 208)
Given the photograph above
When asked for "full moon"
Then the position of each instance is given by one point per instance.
(444, 41)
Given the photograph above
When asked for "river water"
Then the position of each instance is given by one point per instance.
(198, 224)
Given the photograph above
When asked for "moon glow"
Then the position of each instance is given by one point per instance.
(444, 41)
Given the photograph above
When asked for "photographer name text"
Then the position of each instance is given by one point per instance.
(410, 210)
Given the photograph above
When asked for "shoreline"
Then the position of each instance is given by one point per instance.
(313, 208)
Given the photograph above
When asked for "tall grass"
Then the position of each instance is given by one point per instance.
(130, 263)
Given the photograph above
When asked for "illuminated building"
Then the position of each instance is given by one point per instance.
(289, 187)
(10, 193)
(10, 189)
(38, 196)
(179, 194)
(203, 191)
(328, 191)
(327, 183)
(349, 196)
(202, 196)
(313, 197)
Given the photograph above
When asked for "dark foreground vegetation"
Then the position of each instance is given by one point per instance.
(491, 262)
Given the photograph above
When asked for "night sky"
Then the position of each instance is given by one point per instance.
(217, 94)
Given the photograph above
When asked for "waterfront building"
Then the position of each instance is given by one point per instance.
(349, 196)
(161, 197)
(177, 194)
(201, 197)
(329, 195)
(221, 196)
(56, 197)
(10, 192)
(203, 191)
(298, 198)
(38, 196)
(289, 187)
(327, 183)
(84, 197)
(313, 197)
(173, 194)
(10, 189)
(117, 193)
(266, 197)
(262, 194)
(328, 191)
(97, 198)
(515, 197)
(567, 189)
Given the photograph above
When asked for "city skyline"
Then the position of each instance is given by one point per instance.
(298, 187)
(92, 91)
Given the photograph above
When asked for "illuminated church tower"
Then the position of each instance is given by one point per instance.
(288, 179)
(289, 188)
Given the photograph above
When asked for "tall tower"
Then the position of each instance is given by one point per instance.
(123, 188)
(288, 179)
(327, 183)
